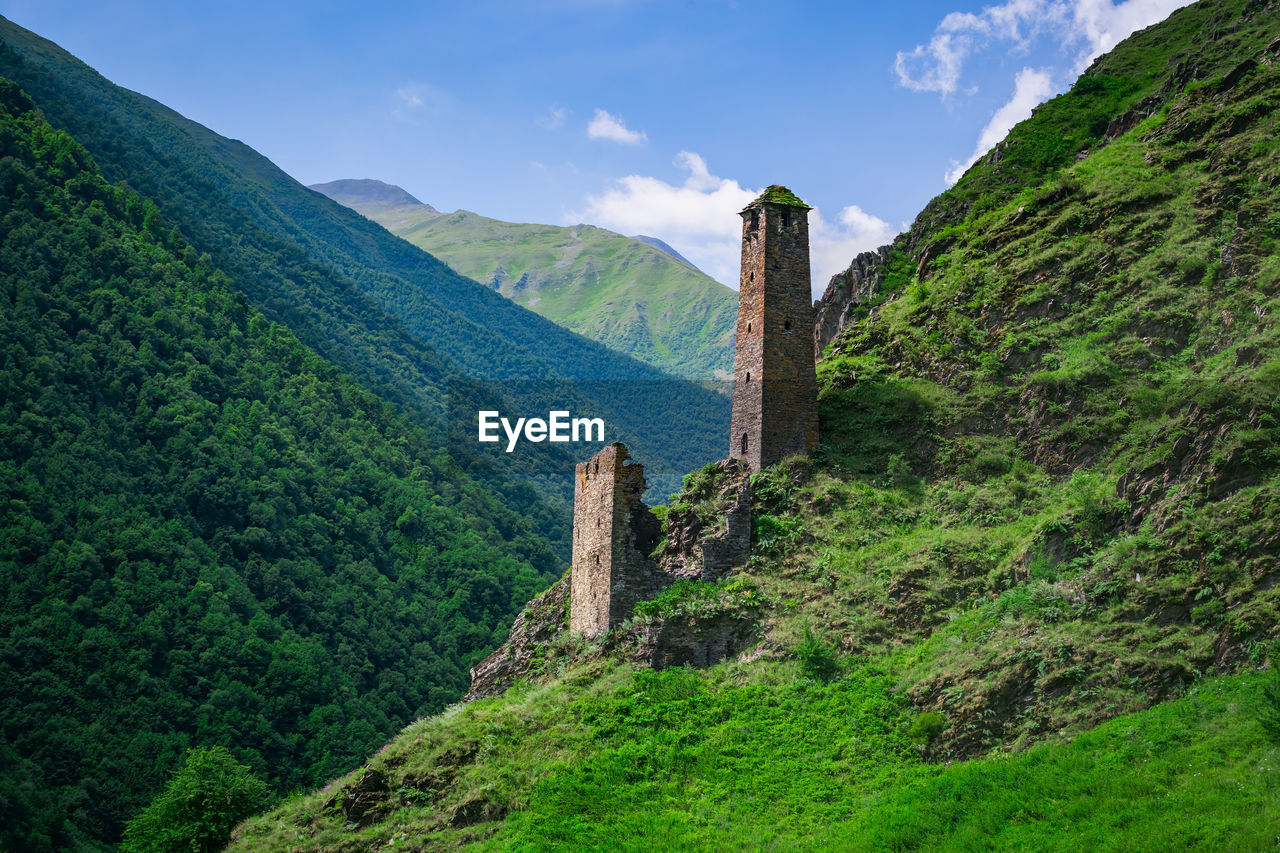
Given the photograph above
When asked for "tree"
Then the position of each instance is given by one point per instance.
(205, 799)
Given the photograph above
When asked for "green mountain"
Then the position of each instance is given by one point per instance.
(628, 294)
(401, 322)
(209, 534)
(1024, 597)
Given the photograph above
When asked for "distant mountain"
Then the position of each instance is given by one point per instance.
(403, 323)
(368, 191)
(634, 295)
(663, 245)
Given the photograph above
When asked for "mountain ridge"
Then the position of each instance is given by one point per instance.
(397, 318)
(634, 296)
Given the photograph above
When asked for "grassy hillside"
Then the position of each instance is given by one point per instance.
(1048, 497)
(209, 535)
(763, 758)
(400, 321)
(626, 294)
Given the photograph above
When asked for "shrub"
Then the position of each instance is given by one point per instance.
(196, 811)
(927, 727)
(817, 659)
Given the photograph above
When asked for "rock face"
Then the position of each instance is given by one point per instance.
(707, 544)
(543, 620)
(846, 291)
(775, 389)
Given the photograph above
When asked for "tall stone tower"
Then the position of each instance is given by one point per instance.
(613, 533)
(775, 391)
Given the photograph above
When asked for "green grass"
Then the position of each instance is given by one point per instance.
(757, 756)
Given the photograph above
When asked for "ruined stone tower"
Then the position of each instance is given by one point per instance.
(613, 533)
(775, 391)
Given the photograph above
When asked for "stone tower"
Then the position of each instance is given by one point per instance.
(613, 533)
(775, 391)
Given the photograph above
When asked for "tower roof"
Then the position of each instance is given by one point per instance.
(778, 194)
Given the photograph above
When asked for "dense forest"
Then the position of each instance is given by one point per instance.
(401, 322)
(209, 535)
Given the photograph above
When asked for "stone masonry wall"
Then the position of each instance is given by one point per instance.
(775, 405)
(613, 533)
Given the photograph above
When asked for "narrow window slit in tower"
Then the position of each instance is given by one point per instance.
(744, 442)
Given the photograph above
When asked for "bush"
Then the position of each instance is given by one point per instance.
(817, 659)
(1269, 715)
(195, 813)
(927, 727)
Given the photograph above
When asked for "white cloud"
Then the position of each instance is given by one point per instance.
(606, 126)
(1088, 28)
(1030, 88)
(699, 217)
(554, 118)
(1103, 24)
(413, 100)
(935, 68)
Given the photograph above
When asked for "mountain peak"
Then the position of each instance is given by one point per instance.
(354, 191)
(661, 245)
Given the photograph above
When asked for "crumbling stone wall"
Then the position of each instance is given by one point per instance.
(699, 641)
(711, 535)
(775, 392)
(613, 534)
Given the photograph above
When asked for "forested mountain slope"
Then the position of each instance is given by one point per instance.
(1048, 497)
(208, 534)
(621, 291)
(397, 319)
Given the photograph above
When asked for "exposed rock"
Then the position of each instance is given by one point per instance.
(365, 802)
(473, 811)
(846, 291)
(711, 538)
(542, 620)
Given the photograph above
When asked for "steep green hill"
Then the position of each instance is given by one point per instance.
(401, 322)
(627, 294)
(209, 535)
(1048, 497)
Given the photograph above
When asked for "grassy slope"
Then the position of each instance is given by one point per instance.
(627, 295)
(758, 757)
(1049, 496)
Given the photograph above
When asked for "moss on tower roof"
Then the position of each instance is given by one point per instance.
(778, 194)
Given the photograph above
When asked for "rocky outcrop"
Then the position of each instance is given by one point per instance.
(846, 291)
(709, 530)
(543, 620)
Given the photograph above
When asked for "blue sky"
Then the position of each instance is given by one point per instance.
(655, 117)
